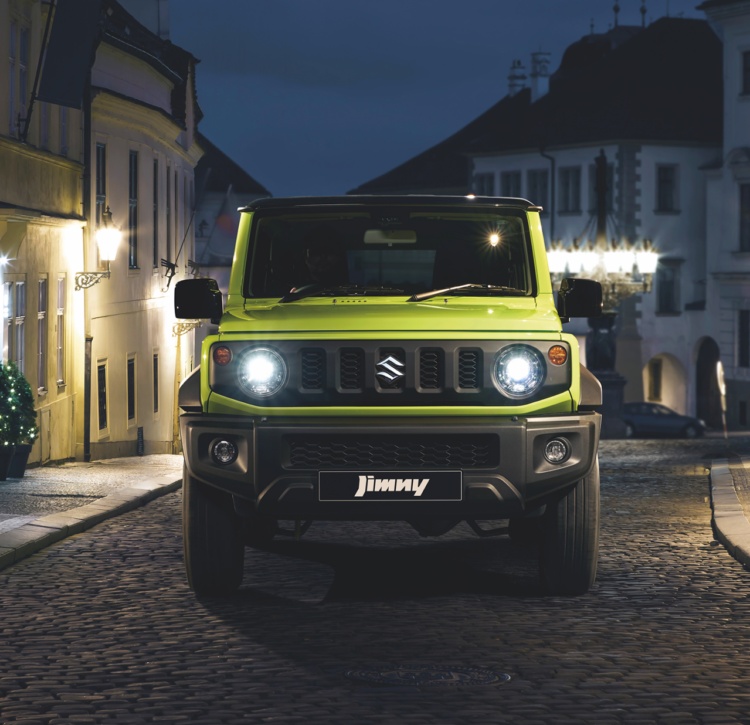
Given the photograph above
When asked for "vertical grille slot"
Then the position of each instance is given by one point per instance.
(469, 369)
(431, 369)
(313, 371)
(351, 368)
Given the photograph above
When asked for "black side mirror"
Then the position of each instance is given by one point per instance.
(197, 299)
(579, 298)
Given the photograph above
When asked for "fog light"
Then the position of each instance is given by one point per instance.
(557, 450)
(224, 452)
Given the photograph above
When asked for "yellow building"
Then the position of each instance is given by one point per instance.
(112, 121)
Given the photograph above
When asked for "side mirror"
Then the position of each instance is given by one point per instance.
(579, 298)
(197, 299)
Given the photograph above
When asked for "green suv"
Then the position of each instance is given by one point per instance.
(388, 358)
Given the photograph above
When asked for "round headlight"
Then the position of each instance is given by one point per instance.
(262, 372)
(519, 371)
(224, 451)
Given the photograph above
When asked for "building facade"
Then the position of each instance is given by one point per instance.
(625, 97)
(41, 227)
(727, 251)
(100, 348)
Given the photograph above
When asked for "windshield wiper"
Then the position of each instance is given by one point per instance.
(489, 289)
(317, 290)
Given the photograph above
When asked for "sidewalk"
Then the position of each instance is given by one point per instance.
(52, 502)
(730, 501)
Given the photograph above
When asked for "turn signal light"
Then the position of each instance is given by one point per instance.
(222, 355)
(557, 355)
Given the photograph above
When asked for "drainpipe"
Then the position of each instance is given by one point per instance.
(552, 206)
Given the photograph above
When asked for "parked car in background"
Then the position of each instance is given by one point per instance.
(653, 419)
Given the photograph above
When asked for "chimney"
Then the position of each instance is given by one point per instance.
(539, 75)
(516, 78)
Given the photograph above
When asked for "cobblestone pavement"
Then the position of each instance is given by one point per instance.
(102, 628)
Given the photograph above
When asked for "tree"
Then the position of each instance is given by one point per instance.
(17, 413)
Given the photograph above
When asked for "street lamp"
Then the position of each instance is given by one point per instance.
(107, 239)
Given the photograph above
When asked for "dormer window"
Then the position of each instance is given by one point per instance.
(746, 73)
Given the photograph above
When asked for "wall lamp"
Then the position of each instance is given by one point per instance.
(108, 240)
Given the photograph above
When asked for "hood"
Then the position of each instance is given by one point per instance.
(370, 315)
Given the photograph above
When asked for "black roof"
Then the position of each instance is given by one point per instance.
(388, 200)
(217, 172)
(662, 83)
(122, 30)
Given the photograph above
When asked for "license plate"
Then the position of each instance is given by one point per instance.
(390, 486)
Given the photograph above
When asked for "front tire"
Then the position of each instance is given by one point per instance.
(213, 542)
(570, 539)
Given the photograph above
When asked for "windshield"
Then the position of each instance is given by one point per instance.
(398, 251)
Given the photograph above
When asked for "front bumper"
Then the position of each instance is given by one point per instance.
(503, 469)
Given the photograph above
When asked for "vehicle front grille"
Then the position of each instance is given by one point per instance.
(394, 373)
(390, 452)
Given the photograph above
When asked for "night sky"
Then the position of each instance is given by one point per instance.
(320, 96)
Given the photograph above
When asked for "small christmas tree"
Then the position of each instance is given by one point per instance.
(5, 406)
(17, 413)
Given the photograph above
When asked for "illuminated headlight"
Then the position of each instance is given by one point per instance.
(262, 372)
(519, 371)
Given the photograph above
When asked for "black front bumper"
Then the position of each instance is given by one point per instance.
(502, 467)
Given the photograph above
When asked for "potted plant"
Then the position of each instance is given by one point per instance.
(20, 418)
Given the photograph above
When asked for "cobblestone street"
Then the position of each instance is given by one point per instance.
(102, 628)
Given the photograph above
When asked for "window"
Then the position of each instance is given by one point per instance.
(44, 125)
(744, 217)
(484, 184)
(570, 189)
(538, 185)
(7, 310)
(743, 338)
(745, 73)
(668, 287)
(18, 75)
(743, 413)
(64, 132)
(61, 331)
(666, 188)
(654, 379)
(169, 215)
(176, 216)
(41, 348)
(12, 78)
(101, 386)
(155, 220)
(510, 183)
(23, 69)
(155, 371)
(131, 387)
(101, 181)
(19, 327)
(133, 211)
(610, 180)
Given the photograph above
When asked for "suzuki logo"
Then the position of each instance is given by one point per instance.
(390, 368)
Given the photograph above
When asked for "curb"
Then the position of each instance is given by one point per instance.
(36, 535)
(730, 525)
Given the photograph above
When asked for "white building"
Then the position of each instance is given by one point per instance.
(632, 94)
(727, 257)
